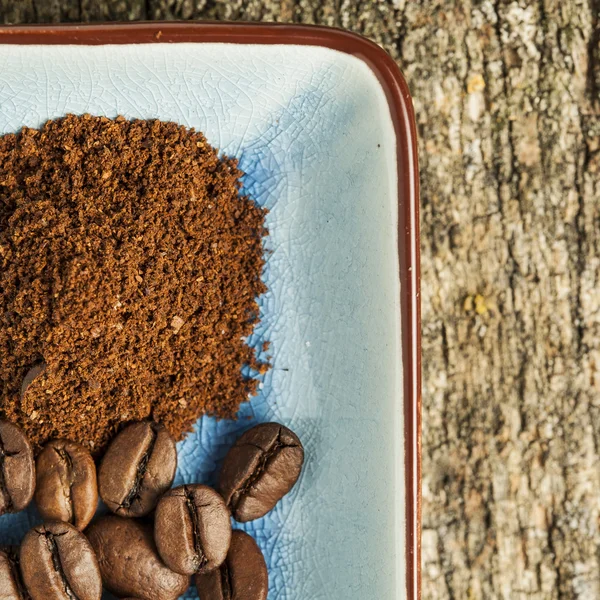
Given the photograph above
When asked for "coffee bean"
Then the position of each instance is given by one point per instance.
(58, 563)
(192, 529)
(66, 487)
(36, 371)
(243, 575)
(261, 468)
(17, 469)
(11, 582)
(138, 467)
(130, 563)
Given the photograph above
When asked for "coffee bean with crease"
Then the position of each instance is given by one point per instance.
(138, 467)
(260, 468)
(17, 469)
(243, 575)
(34, 372)
(66, 483)
(192, 529)
(11, 581)
(129, 562)
(58, 563)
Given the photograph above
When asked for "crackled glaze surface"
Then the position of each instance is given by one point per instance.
(313, 132)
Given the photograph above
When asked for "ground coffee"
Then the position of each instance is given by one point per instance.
(129, 272)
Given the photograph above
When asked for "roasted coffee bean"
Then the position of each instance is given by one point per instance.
(17, 469)
(58, 563)
(138, 467)
(260, 468)
(242, 576)
(36, 371)
(130, 563)
(192, 529)
(11, 582)
(66, 487)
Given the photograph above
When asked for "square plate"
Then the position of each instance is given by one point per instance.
(322, 123)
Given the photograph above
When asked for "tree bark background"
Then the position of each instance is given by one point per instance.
(507, 97)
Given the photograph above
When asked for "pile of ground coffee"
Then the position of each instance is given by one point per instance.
(129, 268)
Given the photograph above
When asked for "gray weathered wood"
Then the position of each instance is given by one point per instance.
(112, 10)
(17, 12)
(508, 107)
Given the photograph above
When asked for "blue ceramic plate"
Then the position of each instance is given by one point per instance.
(322, 126)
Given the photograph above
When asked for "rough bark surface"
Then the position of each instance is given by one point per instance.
(507, 95)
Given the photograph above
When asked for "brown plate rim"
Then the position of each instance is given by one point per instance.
(402, 112)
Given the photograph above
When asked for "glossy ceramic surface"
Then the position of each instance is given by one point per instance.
(316, 132)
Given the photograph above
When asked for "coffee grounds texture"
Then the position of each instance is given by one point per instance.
(130, 268)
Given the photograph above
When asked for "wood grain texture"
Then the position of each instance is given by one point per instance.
(111, 10)
(507, 96)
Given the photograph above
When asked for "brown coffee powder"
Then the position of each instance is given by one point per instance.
(130, 267)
